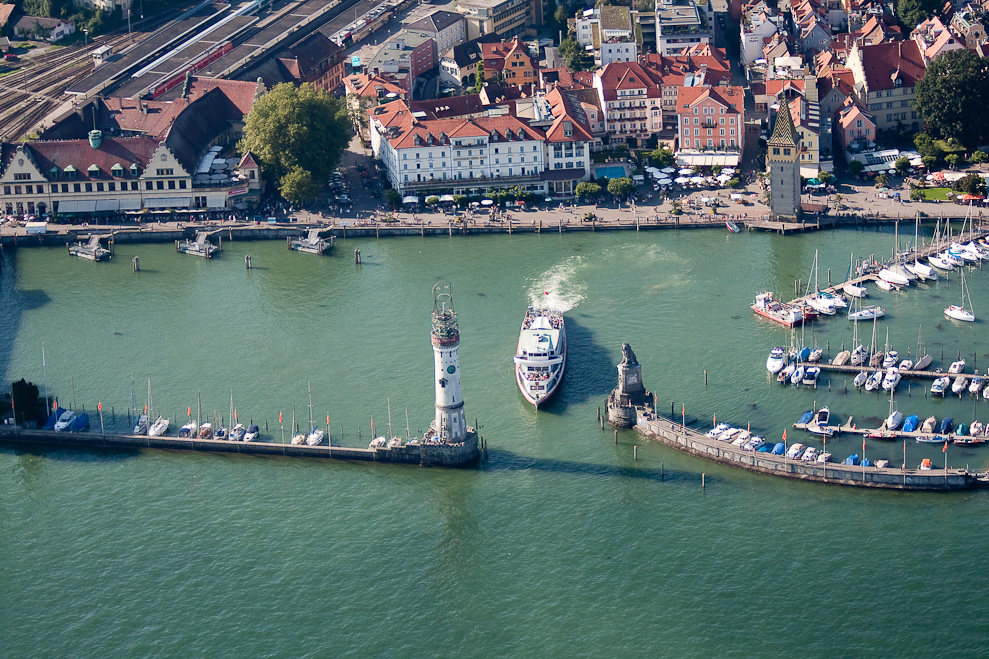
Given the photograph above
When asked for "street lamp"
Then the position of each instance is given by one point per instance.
(85, 38)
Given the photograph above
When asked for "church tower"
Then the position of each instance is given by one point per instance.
(783, 158)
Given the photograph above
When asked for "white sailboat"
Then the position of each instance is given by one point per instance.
(850, 289)
(923, 360)
(961, 311)
(821, 303)
(315, 436)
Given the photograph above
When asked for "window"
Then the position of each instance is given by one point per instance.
(17, 189)
(76, 187)
(6, 189)
(29, 189)
(41, 189)
(99, 186)
(89, 187)
(182, 184)
(776, 150)
(111, 187)
(22, 177)
(148, 185)
(171, 185)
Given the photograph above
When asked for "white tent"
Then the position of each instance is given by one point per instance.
(410, 199)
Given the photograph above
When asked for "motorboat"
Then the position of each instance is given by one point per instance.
(237, 433)
(874, 381)
(960, 252)
(877, 359)
(860, 378)
(53, 418)
(220, 433)
(868, 313)
(890, 359)
(820, 425)
(947, 425)
(806, 417)
(823, 458)
(905, 365)
(866, 462)
(968, 440)
(961, 430)
(853, 459)
(976, 385)
(315, 438)
(786, 373)
(741, 438)
(921, 270)
(189, 429)
(838, 301)
(956, 367)
(298, 439)
(159, 427)
(717, 430)
(953, 259)
(976, 428)
(776, 360)
(795, 451)
(541, 354)
(798, 375)
(910, 423)
(80, 423)
(926, 464)
(754, 444)
(253, 432)
(767, 306)
(961, 311)
(803, 355)
(939, 386)
(930, 423)
(980, 252)
(810, 376)
(815, 355)
(930, 439)
(206, 431)
(882, 464)
(842, 358)
(891, 379)
(894, 420)
(859, 355)
(779, 448)
(810, 455)
(65, 421)
(822, 304)
(141, 427)
(959, 385)
(729, 434)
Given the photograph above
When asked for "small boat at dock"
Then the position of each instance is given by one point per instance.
(976, 385)
(776, 360)
(785, 314)
(188, 430)
(237, 433)
(874, 381)
(841, 358)
(868, 313)
(959, 385)
(141, 427)
(91, 250)
(910, 423)
(311, 244)
(860, 378)
(956, 367)
(206, 431)
(158, 428)
(930, 423)
(939, 386)
(201, 246)
(253, 432)
(315, 438)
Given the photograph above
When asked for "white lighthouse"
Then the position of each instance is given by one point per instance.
(450, 424)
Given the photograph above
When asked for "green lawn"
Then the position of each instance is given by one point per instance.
(930, 194)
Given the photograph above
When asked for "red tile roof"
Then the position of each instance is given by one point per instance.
(627, 76)
(124, 151)
(884, 62)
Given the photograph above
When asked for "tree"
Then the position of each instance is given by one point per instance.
(902, 165)
(926, 146)
(978, 157)
(913, 12)
(574, 55)
(882, 181)
(479, 80)
(293, 127)
(839, 201)
(930, 162)
(393, 198)
(460, 200)
(824, 177)
(432, 200)
(734, 182)
(298, 186)
(855, 167)
(916, 194)
(27, 404)
(588, 190)
(661, 157)
(953, 159)
(621, 187)
(970, 184)
(954, 89)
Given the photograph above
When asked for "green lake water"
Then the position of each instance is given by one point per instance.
(560, 545)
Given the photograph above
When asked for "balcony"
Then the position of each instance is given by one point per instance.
(477, 180)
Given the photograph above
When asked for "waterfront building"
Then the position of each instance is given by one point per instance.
(631, 100)
(509, 62)
(783, 158)
(710, 122)
(446, 28)
(697, 67)
(363, 92)
(885, 76)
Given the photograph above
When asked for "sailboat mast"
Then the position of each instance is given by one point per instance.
(388, 403)
(309, 388)
(408, 434)
(150, 400)
(44, 365)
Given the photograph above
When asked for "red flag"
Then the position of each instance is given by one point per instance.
(327, 421)
(188, 412)
(54, 405)
(372, 424)
(863, 444)
(99, 406)
(748, 428)
(684, 410)
(715, 419)
(235, 414)
(944, 449)
(279, 417)
(145, 409)
(784, 434)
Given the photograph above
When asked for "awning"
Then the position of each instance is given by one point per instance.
(410, 199)
(707, 159)
(168, 202)
(446, 197)
(130, 204)
(107, 204)
(85, 206)
(572, 174)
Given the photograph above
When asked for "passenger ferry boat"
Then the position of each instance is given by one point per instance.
(541, 355)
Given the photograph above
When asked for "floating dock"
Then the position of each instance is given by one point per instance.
(310, 244)
(91, 250)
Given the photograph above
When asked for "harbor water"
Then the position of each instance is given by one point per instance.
(562, 543)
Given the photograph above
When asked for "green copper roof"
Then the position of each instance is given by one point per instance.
(784, 133)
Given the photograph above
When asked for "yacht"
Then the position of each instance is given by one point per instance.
(860, 378)
(891, 379)
(541, 354)
(159, 427)
(956, 367)
(842, 358)
(959, 385)
(939, 385)
(890, 359)
(873, 381)
(315, 438)
(237, 433)
(252, 433)
(141, 427)
(868, 313)
(189, 430)
(776, 360)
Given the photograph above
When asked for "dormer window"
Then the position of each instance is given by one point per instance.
(93, 171)
(70, 171)
(53, 172)
(134, 170)
(117, 170)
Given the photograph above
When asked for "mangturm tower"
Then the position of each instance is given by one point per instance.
(449, 426)
(783, 158)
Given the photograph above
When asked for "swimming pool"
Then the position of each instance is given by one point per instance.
(610, 172)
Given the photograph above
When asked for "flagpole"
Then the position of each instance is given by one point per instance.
(99, 406)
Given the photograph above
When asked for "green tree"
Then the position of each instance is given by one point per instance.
(460, 200)
(824, 177)
(953, 159)
(27, 404)
(734, 182)
(954, 89)
(882, 181)
(930, 162)
(479, 79)
(574, 55)
(913, 12)
(970, 184)
(916, 194)
(298, 186)
(978, 157)
(902, 165)
(621, 187)
(855, 167)
(432, 200)
(588, 190)
(926, 146)
(661, 157)
(393, 198)
(293, 127)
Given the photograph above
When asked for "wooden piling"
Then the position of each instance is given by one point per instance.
(247, 261)
(137, 264)
(705, 377)
(357, 256)
(635, 453)
(703, 480)
(616, 436)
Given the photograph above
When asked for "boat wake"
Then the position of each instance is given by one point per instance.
(557, 288)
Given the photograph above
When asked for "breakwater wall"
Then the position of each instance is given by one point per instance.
(669, 432)
(439, 455)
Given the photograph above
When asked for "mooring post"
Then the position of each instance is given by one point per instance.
(703, 479)
(616, 436)
(662, 470)
(247, 261)
(705, 377)
(635, 452)
(599, 412)
(137, 264)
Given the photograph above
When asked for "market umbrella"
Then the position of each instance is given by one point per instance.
(696, 179)
(728, 170)
(446, 197)
(665, 180)
(486, 202)
(724, 177)
(686, 170)
(668, 170)
(549, 199)
(681, 180)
